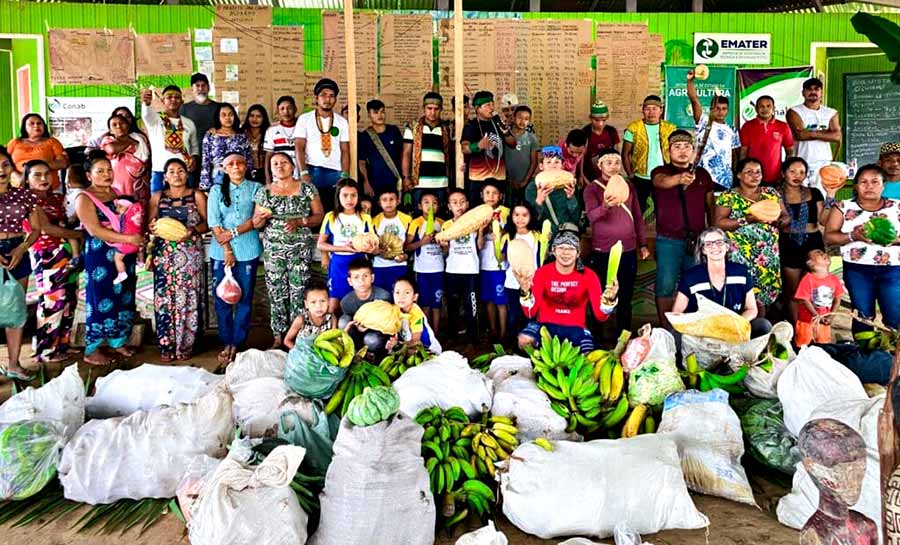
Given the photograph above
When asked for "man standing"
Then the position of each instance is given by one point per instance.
(523, 159)
(889, 160)
(682, 197)
(426, 147)
(718, 140)
(482, 143)
(815, 127)
(322, 142)
(280, 136)
(171, 136)
(380, 152)
(646, 147)
(764, 137)
(201, 110)
(600, 137)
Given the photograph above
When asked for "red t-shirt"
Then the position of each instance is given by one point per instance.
(561, 299)
(821, 292)
(764, 141)
(667, 204)
(596, 142)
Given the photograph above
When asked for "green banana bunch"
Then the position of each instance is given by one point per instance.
(553, 352)
(876, 340)
(404, 357)
(361, 375)
(733, 383)
(335, 346)
(307, 490)
(483, 362)
(444, 448)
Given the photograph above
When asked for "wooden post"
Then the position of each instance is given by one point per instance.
(697, 6)
(888, 447)
(458, 89)
(534, 5)
(631, 6)
(350, 48)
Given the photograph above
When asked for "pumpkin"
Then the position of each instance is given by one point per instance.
(554, 179)
(617, 191)
(170, 229)
(365, 242)
(375, 404)
(880, 231)
(833, 176)
(766, 210)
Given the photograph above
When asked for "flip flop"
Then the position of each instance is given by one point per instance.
(17, 376)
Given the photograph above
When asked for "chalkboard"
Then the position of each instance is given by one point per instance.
(871, 115)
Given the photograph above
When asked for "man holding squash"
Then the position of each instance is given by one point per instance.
(815, 127)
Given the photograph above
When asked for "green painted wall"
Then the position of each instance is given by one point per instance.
(25, 53)
(7, 115)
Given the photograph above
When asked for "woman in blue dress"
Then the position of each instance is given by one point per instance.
(109, 308)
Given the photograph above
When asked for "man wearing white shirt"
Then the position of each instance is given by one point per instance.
(815, 127)
(171, 136)
(322, 141)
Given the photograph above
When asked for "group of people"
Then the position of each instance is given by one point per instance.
(278, 193)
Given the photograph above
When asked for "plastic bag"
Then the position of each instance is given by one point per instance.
(377, 490)
(588, 488)
(759, 382)
(309, 374)
(123, 392)
(317, 438)
(487, 535)
(446, 381)
(228, 289)
(519, 397)
(871, 366)
(657, 376)
(637, 350)
(253, 363)
(626, 536)
(708, 434)
(504, 367)
(145, 454)
(242, 505)
(61, 400)
(259, 403)
(13, 311)
(770, 441)
(29, 454)
(811, 380)
(712, 321)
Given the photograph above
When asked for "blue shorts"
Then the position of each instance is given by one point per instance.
(386, 276)
(671, 262)
(431, 289)
(338, 271)
(492, 290)
(576, 335)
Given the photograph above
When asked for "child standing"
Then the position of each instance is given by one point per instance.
(415, 328)
(523, 226)
(462, 265)
(314, 318)
(429, 258)
(392, 221)
(522, 160)
(493, 275)
(819, 293)
(338, 229)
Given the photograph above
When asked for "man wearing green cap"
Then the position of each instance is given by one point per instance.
(646, 146)
(482, 143)
(600, 137)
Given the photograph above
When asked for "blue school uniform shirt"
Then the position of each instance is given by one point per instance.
(734, 291)
(247, 245)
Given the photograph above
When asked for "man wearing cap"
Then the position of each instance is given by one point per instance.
(601, 136)
(171, 136)
(426, 149)
(889, 160)
(560, 293)
(202, 110)
(646, 146)
(682, 199)
(482, 142)
(508, 103)
(815, 127)
(322, 142)
(720, 141)
(764, 138)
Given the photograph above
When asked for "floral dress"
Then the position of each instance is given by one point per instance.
(287, 254)
(215, 148)
(177, 280)
(755, 245)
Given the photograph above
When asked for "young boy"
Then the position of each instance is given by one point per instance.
(462, 265)
(819, 293)
(493, 274)
(380, 151)
(523, 159)
(415, 328)
(429, 259)
(361, 277)
(365, 202)
(392, 221)
(558, 205)
(314, 318)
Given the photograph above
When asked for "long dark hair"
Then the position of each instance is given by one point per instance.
(739, 167)
(341, 184)
(29, 166)
(217, 121)
(23, 130)
(130, 117)
(117, 116)
(172, 161)
(265, 116)
(532, 219)
(5, 153)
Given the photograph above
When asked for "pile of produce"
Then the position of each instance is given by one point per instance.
(360, 375)
(380, 316)
(29, 454)
(404, 357)
(705, 380)
(391, 246)
(483, 362)
(877, 340)
(374, 405)
(335, 346)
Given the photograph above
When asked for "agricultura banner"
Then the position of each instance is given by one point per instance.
(74, 121)
(784, 85)
(678, 105)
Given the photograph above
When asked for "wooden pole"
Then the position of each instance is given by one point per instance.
(888, 442)
(458, 89)
(350, 49)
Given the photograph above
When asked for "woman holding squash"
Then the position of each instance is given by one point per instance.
(751, 216)
(866, 228)
(177, 258)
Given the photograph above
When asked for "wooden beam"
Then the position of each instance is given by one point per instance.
(350, 48)
(631, 6)
(697, 6)
(443, 5)
(458, 90)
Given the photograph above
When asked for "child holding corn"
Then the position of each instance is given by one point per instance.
(390, 222)
(429, 258)
(463, 264)
(493, 275)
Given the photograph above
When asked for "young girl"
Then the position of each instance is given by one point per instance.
(314, 318)
(415, 328)
(338, 229)
(462, 267)
(429, 259)
(492, 274)
(522, 225)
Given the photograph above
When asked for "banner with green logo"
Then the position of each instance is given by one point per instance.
(784, 85)
(678, 105)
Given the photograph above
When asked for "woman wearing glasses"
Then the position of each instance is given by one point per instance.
(754, 243)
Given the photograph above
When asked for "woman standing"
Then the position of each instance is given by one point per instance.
(35, 142)
(224, 138)
(55, 271)
(235, 245)
(109, 308)
(871, 271)
(178, 265)
(256, 123)
(17, 205)
(754, 242)
(286, 211)
(128, 155)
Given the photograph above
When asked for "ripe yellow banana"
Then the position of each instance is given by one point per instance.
(544, 444)
(617, 382)
(635, 419)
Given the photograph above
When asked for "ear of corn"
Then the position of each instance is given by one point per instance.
(498, 240)
(546, 228)
(468, 223)
(612, 267)
(429, 221)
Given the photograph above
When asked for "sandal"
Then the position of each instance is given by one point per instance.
(16, 376)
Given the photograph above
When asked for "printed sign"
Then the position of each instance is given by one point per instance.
(75, 121)
(678, 105)
(712, 48)
(784, 85)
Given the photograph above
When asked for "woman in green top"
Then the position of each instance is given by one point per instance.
(286, 212)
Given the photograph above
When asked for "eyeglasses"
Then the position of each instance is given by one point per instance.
(753, 173)
(713, 243)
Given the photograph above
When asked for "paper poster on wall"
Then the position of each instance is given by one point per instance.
(231, 72)
(203, 35)
(203, 53)
(678, 105)
(75, 121)
(206, 67)
(784, 85)
(231, 97)
(229, 45)
(91, 56)
(162, 54)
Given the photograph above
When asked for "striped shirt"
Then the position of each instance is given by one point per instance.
(281, 138)
(433, 166)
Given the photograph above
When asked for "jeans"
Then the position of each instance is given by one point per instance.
(597, 261)
(324, 179)
(671, 261)
(234, 320)
(462, 289)
(867, 284)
